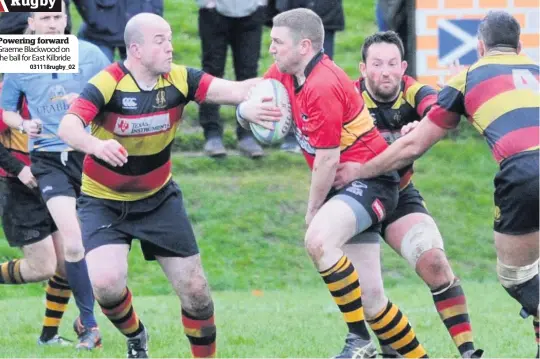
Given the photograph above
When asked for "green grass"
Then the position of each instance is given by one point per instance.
(288, 323)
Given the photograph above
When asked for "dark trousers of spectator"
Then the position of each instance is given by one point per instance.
(106, 49)
(329, 36)
(243, 35)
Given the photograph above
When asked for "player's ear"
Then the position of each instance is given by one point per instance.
(481, 48)
(362, 68)
(404, 66)
(519, 47)
(31, 24)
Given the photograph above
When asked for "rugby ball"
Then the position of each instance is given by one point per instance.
(275, 89)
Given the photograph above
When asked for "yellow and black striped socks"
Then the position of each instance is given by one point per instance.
(57, 297)
(342, 281)
(393, 329)
(10, 272)
(123, 316)
(452, 307)
(201, 333)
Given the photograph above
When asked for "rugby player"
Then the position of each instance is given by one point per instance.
(35, 235)
(394, 101)
(499, 96)
(135, 107)
(56, 167)
(332, 125)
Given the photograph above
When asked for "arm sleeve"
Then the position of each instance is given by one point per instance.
(12, 94)
(198, 83)
(450, 105)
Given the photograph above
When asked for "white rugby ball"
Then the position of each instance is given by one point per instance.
(275, 89)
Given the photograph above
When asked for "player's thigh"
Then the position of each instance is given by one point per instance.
(26, 219)
(355, 208)
(162, 225)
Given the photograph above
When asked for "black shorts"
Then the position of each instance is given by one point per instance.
(371, 200)
(516, 195)
(410, 201)
(160, 222)
(26, 219)
(58, 173)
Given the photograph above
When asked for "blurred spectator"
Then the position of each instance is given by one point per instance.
(15, 23)
(397, 15)
(238, 24)
(105, 21)
(331, 13)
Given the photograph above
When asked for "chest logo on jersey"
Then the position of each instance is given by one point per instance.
(56, 92)
(55, 95)
(129, 103)
(161, 99)
(142, 126)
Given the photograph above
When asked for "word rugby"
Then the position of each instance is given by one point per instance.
(30, 5)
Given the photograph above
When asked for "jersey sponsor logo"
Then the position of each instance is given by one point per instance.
(129, 103)
(142, 126)
(378, 209)
(56, 92)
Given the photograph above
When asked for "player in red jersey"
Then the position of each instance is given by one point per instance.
(333, 125)
(499, 96)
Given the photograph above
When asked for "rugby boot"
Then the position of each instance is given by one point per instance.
(138, 345)
(57, 340)
(474, 353)
(356, 348)
(89, 338)
(249, 147)
(388, 352)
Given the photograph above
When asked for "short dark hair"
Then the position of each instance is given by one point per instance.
(388, 37)
(499, 29)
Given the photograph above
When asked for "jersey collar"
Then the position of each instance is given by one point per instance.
(309, 68)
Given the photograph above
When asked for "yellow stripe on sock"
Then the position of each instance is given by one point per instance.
(354, 316)
(453, 311)
(332, 269)
(416, 353)
(384, 321)
(342, 283)
(395, 330)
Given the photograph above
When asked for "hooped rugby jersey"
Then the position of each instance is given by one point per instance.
(329, 113)
(14, 141)
(412, 103)
(499, 95)
(144, 122)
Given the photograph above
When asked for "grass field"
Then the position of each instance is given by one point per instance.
(248, 217)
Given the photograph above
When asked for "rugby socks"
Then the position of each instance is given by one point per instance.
(79, 281)
(393, 329)
(201, 333)
(342, 282)
(123, 316)
(57, 297)
(452, 307)
(10, 272)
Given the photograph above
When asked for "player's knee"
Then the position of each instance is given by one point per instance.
(315, 244)
(420, 239)
(73, 250)
(199, 301)
(522, 283)
(434, 262)
(108, 287)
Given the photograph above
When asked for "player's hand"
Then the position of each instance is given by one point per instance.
(32, 127)
(454, 69)
(70, 97)
(346, 173)
(260, 111)
(409, 127)
(27, 178)
(111, 152)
